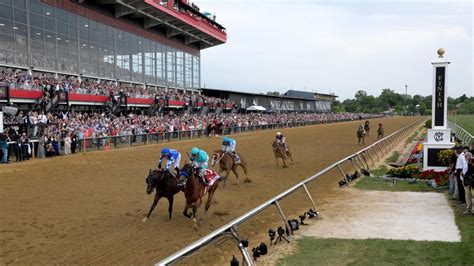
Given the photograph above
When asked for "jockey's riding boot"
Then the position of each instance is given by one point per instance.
(177, 171)
(236, 157)
(203, 179)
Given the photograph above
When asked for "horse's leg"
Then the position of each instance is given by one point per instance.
(225, 177)
(276, 160)
(244, 166)
(284, 162)
(210, 196)
(185, 212)
(155, 201)
(170, 206)
(234, 169)
(288, 153)
(197, 222)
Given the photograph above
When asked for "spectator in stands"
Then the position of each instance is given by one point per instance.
(25, 146)
(4, 147)
(41, 147)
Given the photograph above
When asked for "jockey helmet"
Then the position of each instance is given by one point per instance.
(165, 151)
(195, 151)
(226, 139)
(279, 134)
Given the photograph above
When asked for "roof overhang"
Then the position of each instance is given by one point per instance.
(152, 16)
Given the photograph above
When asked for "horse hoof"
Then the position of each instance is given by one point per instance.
(144, 219)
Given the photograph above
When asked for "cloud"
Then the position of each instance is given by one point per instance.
(341, 47)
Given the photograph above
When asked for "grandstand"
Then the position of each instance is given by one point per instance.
(130, 54)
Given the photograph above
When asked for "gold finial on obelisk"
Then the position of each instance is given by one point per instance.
(441, 52)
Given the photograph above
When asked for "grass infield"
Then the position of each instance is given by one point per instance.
(465, 121)
(311, 251)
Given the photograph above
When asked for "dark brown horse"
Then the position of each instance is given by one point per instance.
(166, 186)
(367, 128)
(194, 192)
(279, 150)
(361, 134)
(380, 132)
(214, 129)
(227, 164)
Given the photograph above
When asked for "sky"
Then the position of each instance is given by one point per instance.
(339, 46)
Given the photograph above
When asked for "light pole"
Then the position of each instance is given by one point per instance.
(406, 99)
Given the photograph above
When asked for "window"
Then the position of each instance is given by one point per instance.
(6, 12)
(20, 15)
(6, 42)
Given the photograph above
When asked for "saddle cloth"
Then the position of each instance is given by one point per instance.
(211, 177)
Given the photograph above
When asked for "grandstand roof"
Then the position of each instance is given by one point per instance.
(214, 91)
(174, 19)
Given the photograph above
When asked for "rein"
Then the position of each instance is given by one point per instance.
(220, 157)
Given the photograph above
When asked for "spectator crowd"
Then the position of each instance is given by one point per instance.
(68, 128)
(52, 84)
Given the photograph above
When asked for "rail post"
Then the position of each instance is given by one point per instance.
(342, 173)
(365, 160)
(353, 165)
(309, 196)
(247, 259)
(359, 162)
(371, 157)
(283, 217)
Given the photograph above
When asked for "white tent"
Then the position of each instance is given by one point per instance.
(256, 108)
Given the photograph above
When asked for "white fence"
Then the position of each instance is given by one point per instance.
(466, 138)
(358, 161)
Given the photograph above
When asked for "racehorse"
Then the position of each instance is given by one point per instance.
(367, 128)
(279, 151)
(227, 164)
(380, 131)
(361, 134)
(166, 185)
(214, 129)
(194, 192)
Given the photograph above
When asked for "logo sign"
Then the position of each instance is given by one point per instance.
(439, 96)
(438, 136)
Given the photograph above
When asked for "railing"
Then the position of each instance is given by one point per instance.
(466, 138)
(358, 161)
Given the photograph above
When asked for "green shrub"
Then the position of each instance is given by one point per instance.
(428, 123)
(407, 171)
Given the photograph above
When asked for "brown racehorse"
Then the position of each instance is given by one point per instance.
(367, 128)
(166, 186)
(361, 134)
(380, 131)
(194, 192)
(227, 164)
(279, 151)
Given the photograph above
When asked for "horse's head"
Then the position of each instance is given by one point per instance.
(152, 181)
(215, 157)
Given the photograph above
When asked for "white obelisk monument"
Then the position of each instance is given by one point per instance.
(439, 135)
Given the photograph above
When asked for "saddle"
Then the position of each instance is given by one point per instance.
(210, 177)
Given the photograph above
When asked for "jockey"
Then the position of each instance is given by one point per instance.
(173, 157)
(200, 160)
(228, 146)
(281, 140)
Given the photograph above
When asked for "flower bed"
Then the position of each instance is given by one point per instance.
(441, 178)
(414, 156)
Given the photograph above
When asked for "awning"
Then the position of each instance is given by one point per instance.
(256, 108)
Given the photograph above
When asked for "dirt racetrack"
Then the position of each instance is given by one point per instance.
(88, 208)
